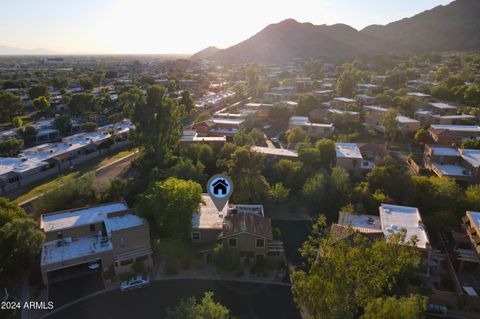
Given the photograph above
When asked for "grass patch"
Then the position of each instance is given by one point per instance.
(45, 187)
(111, 159)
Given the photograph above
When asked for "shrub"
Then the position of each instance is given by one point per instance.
(225, 258)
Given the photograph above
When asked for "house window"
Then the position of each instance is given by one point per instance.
(232, 243)
(92, 227)
(59, 235)
(196, 236)
(259, 243)
(122, 242)
(126, 262)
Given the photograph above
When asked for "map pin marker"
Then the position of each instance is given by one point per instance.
(220, 188)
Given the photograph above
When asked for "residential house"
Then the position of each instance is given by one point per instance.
(471, 222)
(314, 130)
(448, 161)
(349, 157)
(453, 134)
(111, 236)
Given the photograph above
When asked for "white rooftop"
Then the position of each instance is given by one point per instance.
(80, 217)
(451, 169)
(443, 106)
(418, 94)
(17, 165)
(444, 151)
(460, 128)
(472, 157)
(274, 151)
(227, 121)
(344, 99)
(209, 217)
(375, 108)
(405, 119)
(67, 249)
(370, 222)
(475, 216)
(394, 218)
(348, 150)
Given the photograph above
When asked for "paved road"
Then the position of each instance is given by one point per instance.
(245, 300)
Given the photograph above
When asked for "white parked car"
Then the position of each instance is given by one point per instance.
(136, 282)
(94, 265)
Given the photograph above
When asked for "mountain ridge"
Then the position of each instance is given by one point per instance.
(8, 50)
(446, 27)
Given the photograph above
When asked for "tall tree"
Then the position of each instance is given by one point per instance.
(157, 121)
(245, 168)
(41, 104)
(390, 124)
(169, 205)
(38, 90)
(11, 105)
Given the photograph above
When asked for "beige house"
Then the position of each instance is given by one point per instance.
(471, 222)
(109, 238)
(349, 157)
(315, 130)
(241, 227)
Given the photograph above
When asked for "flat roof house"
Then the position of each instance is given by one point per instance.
(449, 134)
(191, 137)
(315, 130)
(391, 220)
(349, 157)
(110, 235)
(448, 161)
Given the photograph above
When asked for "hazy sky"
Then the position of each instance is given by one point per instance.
(176, 26)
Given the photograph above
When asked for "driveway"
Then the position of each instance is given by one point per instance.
(245, 300)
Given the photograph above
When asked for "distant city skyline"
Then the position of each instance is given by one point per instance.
(181, 26)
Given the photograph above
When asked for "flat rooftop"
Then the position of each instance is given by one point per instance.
(443, 106)
(375, 108)
(274, 151)
(394, 218)
(459, 128)
(475, 217)
(226, 121)
(65, 249)
(18, 165)
(83, 216)
(472, 157)
(444, 151)
(344, 100)
(405, 119)
(209, 217)
(348, 150)
(361, 222)
(451, 170)
(418, 94)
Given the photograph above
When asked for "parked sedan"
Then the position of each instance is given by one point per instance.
(136, 282)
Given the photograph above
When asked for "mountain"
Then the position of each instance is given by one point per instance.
(6, 50)
(452, 27)
(205, 53)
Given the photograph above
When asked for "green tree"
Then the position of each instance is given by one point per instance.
(38, 90)
(198, 153)
(422, 136)
(411, 307)
(17, 122)
(280, 113)
(60, 83)
(88, 126)
(279, 193)
(390, 178)
(10, 147)
(86, 84)
(327, 150)
(297, 136)
(345, 84)
(169, 205)
(186, 169)
(345, 275)
(41, 104)
(20, 240)
(315, 190)
(390, 124)
(472, 95)
(472, 197)
(11, 105)
(306, 104)
(28, 133)
(288, 173)
(471, 144)
(207, 308)
(81, 103)
(245, 168)
(186, 100)
(63, 124)
(157, 123)
(225, 258)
